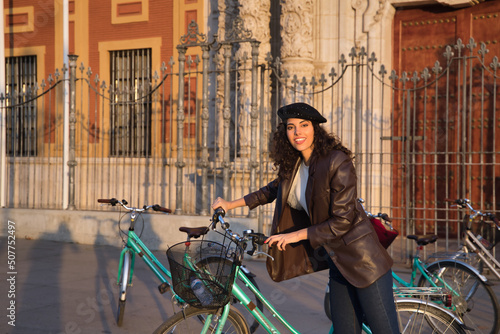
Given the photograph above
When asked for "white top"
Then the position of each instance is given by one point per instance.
(297, 196)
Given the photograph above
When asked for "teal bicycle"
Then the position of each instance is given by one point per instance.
(207, 275)
(133, 245)
(472, 298)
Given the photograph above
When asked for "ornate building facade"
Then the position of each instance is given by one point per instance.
(176, 100)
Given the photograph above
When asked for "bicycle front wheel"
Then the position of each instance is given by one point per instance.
(122, 298)
(191, 320)
(472, 299)
(420, 317)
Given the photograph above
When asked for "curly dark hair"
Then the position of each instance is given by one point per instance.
(284, 156)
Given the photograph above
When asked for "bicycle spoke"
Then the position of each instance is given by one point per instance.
(418, 317)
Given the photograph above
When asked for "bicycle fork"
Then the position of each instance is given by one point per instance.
(220, 321)
(125, 271)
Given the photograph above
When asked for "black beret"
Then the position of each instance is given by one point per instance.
(302, 111)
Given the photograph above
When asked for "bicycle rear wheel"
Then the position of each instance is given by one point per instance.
(476, 303)
(417, 316)
(191, 321)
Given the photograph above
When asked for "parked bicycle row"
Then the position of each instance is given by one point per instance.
(205, 278)
(460, 272)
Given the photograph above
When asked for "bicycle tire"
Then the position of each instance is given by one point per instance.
(122, 298)
(417, 316)
(188, 321)
(477, 304)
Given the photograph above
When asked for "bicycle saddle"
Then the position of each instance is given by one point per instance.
(423, 240)
(194, 232)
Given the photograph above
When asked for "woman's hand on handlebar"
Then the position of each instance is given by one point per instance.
(227, 205)
(281, 240)
(221, 203)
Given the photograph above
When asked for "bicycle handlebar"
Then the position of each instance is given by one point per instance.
(461, 202)
(112, 201)
(123, 203)
(370, 215)
(493, 218)
(464, 203)
(384, 216)
(255, 237)
(156, 207)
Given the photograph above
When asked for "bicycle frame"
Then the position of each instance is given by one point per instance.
(417, 266)
(263, 320)
(475, 246)
(136, 246)
(471, 241)
(256, 313)
(247, 302)
(133, 246)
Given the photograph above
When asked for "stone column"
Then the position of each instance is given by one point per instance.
(297, 39)
(255, 16)
(227, 12)
(377, 17)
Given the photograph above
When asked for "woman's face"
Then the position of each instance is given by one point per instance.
(300, 133)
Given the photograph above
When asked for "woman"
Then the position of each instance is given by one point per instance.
(316, 174)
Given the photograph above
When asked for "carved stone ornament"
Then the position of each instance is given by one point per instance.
(358, 4)
(297, 28)
(256, 15)
(238, 31)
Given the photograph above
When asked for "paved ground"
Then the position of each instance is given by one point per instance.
(70, 288)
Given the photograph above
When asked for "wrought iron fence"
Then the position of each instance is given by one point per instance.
(201, 129)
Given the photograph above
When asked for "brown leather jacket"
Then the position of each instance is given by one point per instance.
(339, 223)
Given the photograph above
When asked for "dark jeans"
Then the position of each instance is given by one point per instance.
(350, 306)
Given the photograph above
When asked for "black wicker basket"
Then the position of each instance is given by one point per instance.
(203, 272)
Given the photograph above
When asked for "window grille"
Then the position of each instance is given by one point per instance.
(21, 111)
(130, 103)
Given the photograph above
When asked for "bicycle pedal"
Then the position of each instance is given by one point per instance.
(163, 287)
